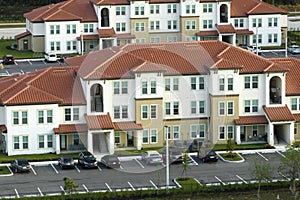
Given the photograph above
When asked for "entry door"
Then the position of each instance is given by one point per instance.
(25, 44)
(63, 142)
(130, 139)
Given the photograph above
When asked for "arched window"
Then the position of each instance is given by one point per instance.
(104, 17)
(96, 98)
(275, 90)
(224, 13)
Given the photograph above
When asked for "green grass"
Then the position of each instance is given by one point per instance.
(223, 147)
(188, 183)
(136, 152)
(17, 54)
(35, 157)
(4, 170)
(231, 157)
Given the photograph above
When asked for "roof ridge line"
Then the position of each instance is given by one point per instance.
(14, 84)
(252, 9)
(17, 93)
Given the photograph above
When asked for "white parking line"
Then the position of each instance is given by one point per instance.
(62, 188)
(77, 169)
(99, 168)
(33, 170)
(54, 168)
(40, 191)
(29, 62)
(195, 163)
(139, 163)
(121, 167)
(131, 186)
(284, 176)
(153, 184)
(280, 154)
(108, 187)
(87, 190)
(17, 193)
(220, 180)
(273, 52)
(241, 178)
(262, 156)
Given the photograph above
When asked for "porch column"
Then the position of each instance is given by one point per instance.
(291, 136)
(90, 142)
(238, 134)
(271, 134)
(139, 137)
(111, 142)
(57, 143)
(234, 40)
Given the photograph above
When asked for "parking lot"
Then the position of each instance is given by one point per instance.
(134, 174)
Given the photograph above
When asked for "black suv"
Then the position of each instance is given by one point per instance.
(87, 160)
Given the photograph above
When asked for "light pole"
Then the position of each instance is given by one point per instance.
(81, 42)
(167, 157)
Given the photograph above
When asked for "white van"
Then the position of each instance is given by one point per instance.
(50, 57)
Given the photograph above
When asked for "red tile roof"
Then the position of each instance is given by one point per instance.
(207, 33)
(111, 2)
(127, 126)
(3, 128)
(243, 32)
(106, 32)
(71, 128)
(243, 8)
(297, 117)
(149, 67)
(99, 122)
(281, 113)
(227, 28)
(88, 37)
(125, 36)
(81, 10)
(292, 86)
(21, 35)
(249, 120)
(39, 88)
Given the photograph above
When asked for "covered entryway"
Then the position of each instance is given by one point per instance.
(282, 134)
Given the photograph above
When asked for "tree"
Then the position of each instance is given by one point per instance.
(290, 166)
(185, 163)
(230, 147)
(261, 171)
(70, 185)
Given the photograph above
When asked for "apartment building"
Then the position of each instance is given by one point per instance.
(82, 26)
(137, 95)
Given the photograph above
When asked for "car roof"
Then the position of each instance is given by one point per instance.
(152, 152)
(86, 153)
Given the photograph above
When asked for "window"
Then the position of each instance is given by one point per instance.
(153, 136)
(193, 83)
(75, 114)
(25, 142)
(167, 132)
(202, 131)
(172, 25)
(193, 131)
(16, 142)
(50, 140)
(144, 112)
(145, 137)
(254, 130)
(176, 132)
(193, 8)
(68, 29)
(294, 104)
(120, 10)
(24, 117)
(193, 107)
(176, 108)
(239, 23)
(295, 128)
(124, 112)
(154, 9)
(247, 106)
(51, 30)
(172, 8)
(201, 83)
(67, 114)
(230, 108)
(40, 116)
(207, 8)
(120, 27)
(247, 82)
(41, 141)
(124, 87)
(275, 22)
(259, 22)
(207, 24)
(167, 84)
(15, 118)
(153, 109)
(230, 132)
(168, 108)
(221, 84)
(144, 87)
(201, 107)
(187, 8)
(187, 25)
(117, 112)
(197, 131)
(116, 88)
(153, 87)
(221, 132)
(254, 105)
(254, 22)
(139, 26)
(175, 83)
(117, 137)
(221, 108)
(229, 84)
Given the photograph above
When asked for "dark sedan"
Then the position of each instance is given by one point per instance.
(209, 156)
(87, 160)
(20, 165)
(66, 162)
(111, 161)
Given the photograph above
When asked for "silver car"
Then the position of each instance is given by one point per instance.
(152, 157)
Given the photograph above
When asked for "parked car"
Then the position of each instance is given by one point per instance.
(8, 59)
(152, 157)
(50, 57)
(87, 160)
(20, 165)
(175, 155)
(294, 49)
(209, 156)
(111, 161)
(254, 49)
(66, 162)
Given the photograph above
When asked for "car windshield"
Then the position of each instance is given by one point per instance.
(67, 159)
(154, 155)
(23, 162)
(113, 158)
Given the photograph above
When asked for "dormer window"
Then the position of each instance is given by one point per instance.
(224, 13)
